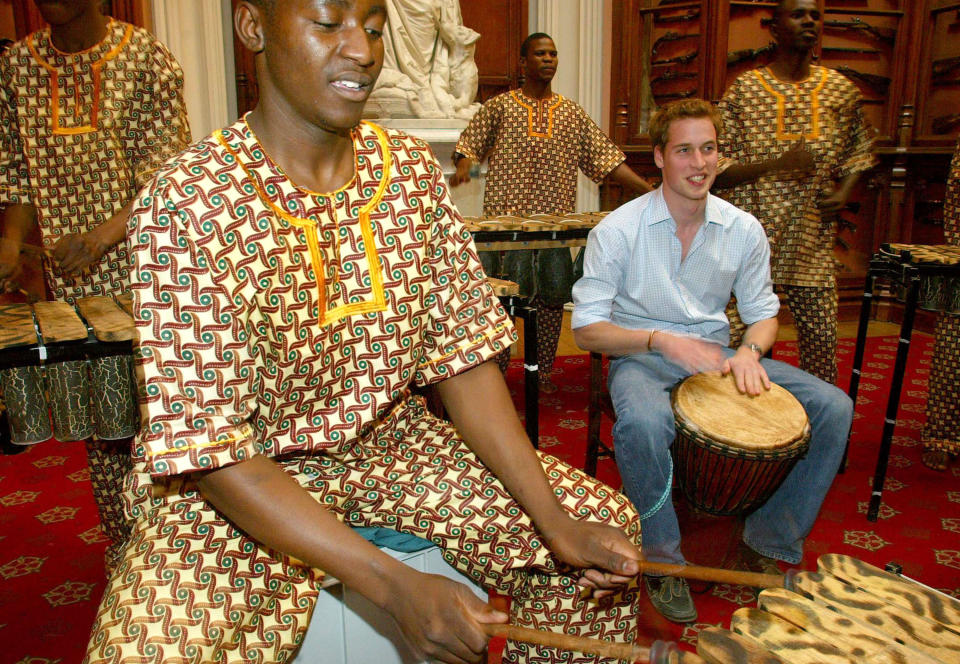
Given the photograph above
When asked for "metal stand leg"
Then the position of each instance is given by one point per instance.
(858, 353)
(531, 373)
(893, 402)
(516, 305)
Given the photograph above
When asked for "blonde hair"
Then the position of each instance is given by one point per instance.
(681, 110)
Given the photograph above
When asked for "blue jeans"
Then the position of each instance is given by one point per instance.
(640, 389)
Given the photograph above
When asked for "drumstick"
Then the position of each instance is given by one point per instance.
(29, 248)
(716, 574)
(661, 652)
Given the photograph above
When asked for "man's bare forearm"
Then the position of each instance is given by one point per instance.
(610, 339)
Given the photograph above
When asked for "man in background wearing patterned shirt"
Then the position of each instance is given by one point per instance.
(941, 433)
(294, 274)
(657, 276)
(89, 108)
(795, 143)
(535, 141)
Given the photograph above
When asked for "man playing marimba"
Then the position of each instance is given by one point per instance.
(89, 108)
(281, 329)
(536, 141)
(657, 276)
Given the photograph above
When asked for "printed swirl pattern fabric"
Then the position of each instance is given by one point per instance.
(278, 321)
(80, 133)
(763, 117)
(942, 429)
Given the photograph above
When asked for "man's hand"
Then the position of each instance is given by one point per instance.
(833, 203)
(463, 172)
(796, 158)
(694, 355)
(749, 375)
(608, 559)
(11, 269)
(78, 251)
(441, 619)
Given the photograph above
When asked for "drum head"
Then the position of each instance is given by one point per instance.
(711, 405)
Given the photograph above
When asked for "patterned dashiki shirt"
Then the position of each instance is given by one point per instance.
(535, 147)
(80, 133)
(763, 116)
(951, 204)
(273, 319)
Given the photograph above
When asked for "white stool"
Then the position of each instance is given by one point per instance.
(347, 629)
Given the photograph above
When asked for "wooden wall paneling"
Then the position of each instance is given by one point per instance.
(502, 25)
(624, 74)
(938, 104)
(26, 17)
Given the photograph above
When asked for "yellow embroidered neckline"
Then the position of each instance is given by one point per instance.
(95, 68)
(782, 134)
(309, 226)
(519, 98)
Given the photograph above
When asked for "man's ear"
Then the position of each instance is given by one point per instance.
(658, 156)
(248, 22)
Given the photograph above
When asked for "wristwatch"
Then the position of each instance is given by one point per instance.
(756, 348)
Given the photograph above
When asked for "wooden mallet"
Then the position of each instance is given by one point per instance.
(661, 652)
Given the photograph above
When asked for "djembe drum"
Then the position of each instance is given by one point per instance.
(732, 450)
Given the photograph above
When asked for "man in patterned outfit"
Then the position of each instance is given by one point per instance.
(280, 330)
(657, 275)
(941, 434)
(89, 109)
(795, 143)
(535, 141)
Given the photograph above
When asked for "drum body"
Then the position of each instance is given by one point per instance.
(933, 292)
(68, 384)
(733, 451)
(26, 403)
(115, 407)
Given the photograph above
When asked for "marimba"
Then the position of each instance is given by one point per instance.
(74, 363)
(848, 612)
(515, 233)
(912, 268)
(536, 231)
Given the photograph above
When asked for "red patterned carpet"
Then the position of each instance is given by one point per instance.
(51, 548)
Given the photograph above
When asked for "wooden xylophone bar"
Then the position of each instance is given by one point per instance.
(56, 332)
(848, 612)
(538, 231)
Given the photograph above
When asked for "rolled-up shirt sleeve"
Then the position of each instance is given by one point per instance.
(753, 286)
(604, 265)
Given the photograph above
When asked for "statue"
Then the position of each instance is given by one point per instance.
(428, 66)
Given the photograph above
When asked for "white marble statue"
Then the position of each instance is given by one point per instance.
(428, 66)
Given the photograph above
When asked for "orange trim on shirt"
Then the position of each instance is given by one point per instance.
(782, 134)
(530, 122)
(95, 67)
(309, 226)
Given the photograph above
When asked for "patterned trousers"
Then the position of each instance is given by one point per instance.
(110, 463)
(942, 430)
(815, 312)
(191, 588)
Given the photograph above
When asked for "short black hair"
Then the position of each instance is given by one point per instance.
(525, 46)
